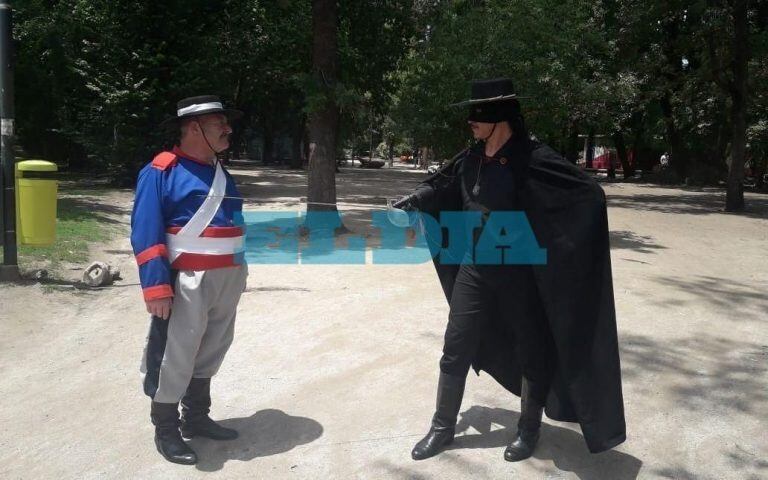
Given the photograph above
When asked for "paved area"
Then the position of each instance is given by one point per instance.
(333, 370)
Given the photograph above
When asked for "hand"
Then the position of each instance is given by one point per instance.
(407, 202)
(160, 307)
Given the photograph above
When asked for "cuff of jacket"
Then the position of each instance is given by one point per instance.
(159, 250)
(157, 292)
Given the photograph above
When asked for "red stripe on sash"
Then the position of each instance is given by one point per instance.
(199, 261)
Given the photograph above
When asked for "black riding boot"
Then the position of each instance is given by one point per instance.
(194, 413)
(528, 426)
(165, 418)
(450, 390)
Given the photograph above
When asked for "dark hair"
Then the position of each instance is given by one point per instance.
(519, 130)
(516, 120)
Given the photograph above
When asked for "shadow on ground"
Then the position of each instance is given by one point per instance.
(713, 374)
(84, 208)
(626, 240)
(745, 464)
(359, 191)
(564, 447)
(734, 299)
(266, 185)
(28, 279)
(265, 433)
(374, 186)
(680, 201)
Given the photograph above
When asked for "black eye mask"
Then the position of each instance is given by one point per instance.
(493, 112)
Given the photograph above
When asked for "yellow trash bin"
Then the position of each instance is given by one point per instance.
(36, 187)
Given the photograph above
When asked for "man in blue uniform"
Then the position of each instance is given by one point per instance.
(188, 238)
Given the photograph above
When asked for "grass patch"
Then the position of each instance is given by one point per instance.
(76, 227)
(84, 192)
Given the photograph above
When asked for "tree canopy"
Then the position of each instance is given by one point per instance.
(96, 77)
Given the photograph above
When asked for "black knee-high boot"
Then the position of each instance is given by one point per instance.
(450, 391)
(165, 418)
(529, 425)
(194, 409)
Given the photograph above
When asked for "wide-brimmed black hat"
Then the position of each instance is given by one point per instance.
(492, 101)
(201, 105)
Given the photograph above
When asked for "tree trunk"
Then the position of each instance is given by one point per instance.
(672, 73)
(621, 151)
(268, 152)
(759, 172)
(323, 123)
(724, 136)
(235, 141)
(734, 200)
(572, 148)
(297, 139)
(305, 145)
(678, 160)
(638, 143)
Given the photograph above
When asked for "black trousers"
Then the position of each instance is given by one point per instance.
(506, 294)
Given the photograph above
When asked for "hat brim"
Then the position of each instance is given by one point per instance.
(476, 101)
(231, 114)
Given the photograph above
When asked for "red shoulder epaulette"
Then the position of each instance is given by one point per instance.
(164, 160)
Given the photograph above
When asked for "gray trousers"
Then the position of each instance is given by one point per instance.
(194, 340)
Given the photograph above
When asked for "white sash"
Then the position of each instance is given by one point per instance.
(177, 244)
(205, 245)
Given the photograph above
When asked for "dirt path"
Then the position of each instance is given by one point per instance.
(333, 369)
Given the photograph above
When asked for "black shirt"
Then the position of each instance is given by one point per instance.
(488, 183)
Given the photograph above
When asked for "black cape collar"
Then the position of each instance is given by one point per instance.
(511, 149)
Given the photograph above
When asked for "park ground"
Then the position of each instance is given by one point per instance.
(333, 370)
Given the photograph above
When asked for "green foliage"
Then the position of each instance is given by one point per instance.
(642, 69)
(96, 77)
(110, 71)
(76, 227)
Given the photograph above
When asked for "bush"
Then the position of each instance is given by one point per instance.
(702, 174)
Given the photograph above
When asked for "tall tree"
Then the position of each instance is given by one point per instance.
(324, 111)
(737, 87)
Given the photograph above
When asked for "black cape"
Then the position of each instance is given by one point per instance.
(567, 212)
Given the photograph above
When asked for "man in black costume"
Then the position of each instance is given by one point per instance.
(547, 333)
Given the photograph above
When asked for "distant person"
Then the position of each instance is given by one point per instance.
(664, 160)
(187, 235)
(547, 333)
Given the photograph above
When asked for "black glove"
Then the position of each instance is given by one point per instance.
(407, 203)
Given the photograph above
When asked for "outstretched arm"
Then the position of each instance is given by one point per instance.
(428, 195)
